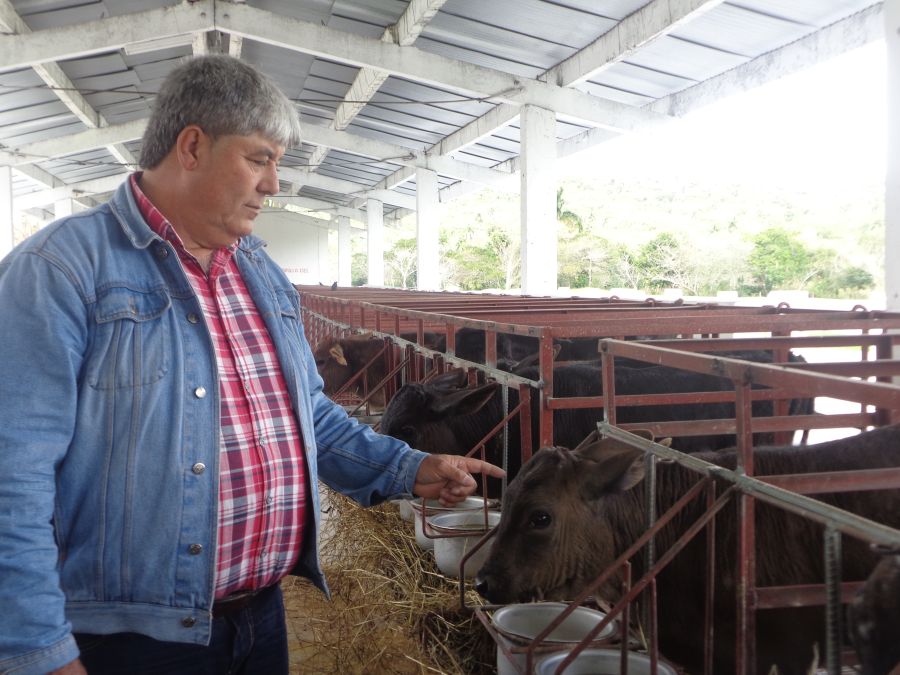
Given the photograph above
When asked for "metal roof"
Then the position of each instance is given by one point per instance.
(384, 86)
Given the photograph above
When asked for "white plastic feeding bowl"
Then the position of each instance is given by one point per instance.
(457, 534)
(519, 624)
(602, 662)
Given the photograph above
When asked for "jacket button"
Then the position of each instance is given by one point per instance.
(200, 392)
(198, 468)
(193, 318)
(195, 549)
(162, 251)
(188, 621)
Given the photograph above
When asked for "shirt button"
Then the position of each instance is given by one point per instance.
(188, 621)
(162, 251)
(200, 392)
(270, 499)
(193, 318)
(195, 549)
(198, 468)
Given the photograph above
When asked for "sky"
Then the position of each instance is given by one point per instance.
(823, 125)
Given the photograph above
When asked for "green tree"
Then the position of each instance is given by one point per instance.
(359, 269)
(778, 260)
(400, 264)
(659, 262)
(568, 218)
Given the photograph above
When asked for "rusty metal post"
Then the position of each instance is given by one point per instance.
(745, 642)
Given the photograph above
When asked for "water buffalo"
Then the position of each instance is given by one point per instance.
(875, 619)
(444, 419)
(569, 514)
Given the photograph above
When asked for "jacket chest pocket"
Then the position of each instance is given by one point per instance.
(132, 345)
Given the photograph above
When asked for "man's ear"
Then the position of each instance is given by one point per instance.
(188, 146)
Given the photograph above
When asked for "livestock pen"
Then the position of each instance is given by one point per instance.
(667, 334)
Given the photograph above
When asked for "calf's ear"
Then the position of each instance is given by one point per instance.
(337, 353)
(452, 379)
(463, 401)
(608, 466)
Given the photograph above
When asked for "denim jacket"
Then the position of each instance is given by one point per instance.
(109, 436)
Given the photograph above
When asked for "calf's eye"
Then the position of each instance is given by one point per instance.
(539, 520)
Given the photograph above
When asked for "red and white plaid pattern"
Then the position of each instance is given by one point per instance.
(262, 473)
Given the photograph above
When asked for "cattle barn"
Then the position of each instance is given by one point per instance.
(407, 105)
(680, 336)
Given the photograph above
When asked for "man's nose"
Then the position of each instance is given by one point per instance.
(269, 184)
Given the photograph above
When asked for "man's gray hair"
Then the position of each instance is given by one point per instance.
(223, 96)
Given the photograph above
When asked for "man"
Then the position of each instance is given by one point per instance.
(163, 426)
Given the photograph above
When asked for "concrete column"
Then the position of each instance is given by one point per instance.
(375, 241)
(538, 200)
(325, 275)
(892, 182)
(428, 276)
(345, 256)
(7, 219)
(64, 207)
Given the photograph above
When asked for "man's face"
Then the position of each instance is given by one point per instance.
(235, 175)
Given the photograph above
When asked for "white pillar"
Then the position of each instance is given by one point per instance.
(428, 276)
(325, 276)
(63, 207)
(7, 220)
(375, 241)
(892, 181)
(345, 256)
(537, 128)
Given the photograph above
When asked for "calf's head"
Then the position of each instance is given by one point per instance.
(427, 416)
(555, 536)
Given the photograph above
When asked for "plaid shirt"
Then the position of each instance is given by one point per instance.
(262, 472)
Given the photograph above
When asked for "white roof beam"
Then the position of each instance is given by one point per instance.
(368, 80)
(415, 64)
(60, 84)
(103, 35)
(73, 143)
(855, 31)
(637, 29)
(327, 137)
(39, 176)
(346, 187)
(654, 19)
(54, 44)
(320, 206)
(73, 191)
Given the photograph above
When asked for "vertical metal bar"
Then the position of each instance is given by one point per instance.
(654, 628)
(607, 373)
(833, 607)
(745, 652)
(525, 423)
(505, 438)
(650, 548)
(546, 367)
(626, 617)
(708, 618)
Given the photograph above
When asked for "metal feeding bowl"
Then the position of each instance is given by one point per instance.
(433, 508)
(457, 533)
(602, 662)
(519, 624)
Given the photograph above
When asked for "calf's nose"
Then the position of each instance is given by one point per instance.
(481, 585)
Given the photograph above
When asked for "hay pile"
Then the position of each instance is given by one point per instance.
(391, 610)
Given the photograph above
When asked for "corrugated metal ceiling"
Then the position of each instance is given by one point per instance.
(407, 115)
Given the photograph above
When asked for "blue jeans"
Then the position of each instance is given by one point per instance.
(251, 642)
